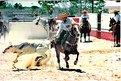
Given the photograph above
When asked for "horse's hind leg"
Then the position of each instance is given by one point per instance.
(75, 62)
(117, 41)
(88, 36)
(85, 37)
(81, 37)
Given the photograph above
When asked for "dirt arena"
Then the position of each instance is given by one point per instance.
(98, 61)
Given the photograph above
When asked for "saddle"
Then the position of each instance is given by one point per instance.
(61, 40)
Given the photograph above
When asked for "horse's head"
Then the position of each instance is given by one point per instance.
(41, 21)
(75, 30)
(112, 22)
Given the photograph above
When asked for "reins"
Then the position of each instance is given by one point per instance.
(75, 38)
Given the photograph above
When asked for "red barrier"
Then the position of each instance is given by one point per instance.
(104, 35)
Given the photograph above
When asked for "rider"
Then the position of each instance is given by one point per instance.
(65, 26)
(117, 17)
(51, 18)
(85, 16)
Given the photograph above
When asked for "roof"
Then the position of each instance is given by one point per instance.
(112, 4)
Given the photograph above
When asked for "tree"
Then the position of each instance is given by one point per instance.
(2, 4)
(94, 5)
(74, 8)
(18, 6)
(45, 7)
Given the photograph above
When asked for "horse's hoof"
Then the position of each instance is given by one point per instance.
(118, 45)
(67, 66)
(75, 62)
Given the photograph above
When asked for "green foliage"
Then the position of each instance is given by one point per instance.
(2, 4)
(74, 8)
(18, 6)
(96, 4)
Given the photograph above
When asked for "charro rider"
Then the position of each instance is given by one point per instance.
(117, 18)
(85, 16)
(65, 26)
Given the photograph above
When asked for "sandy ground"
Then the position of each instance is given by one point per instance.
(98, 60)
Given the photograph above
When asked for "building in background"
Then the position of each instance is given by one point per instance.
(112, 5)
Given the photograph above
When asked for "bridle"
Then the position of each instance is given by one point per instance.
(75, 38)
(112, 22)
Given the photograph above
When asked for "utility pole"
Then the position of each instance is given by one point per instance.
(92, 6)
(99, 25)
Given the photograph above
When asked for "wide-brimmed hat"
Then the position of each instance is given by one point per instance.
(115, 11)
(63, 15)
(84, 11)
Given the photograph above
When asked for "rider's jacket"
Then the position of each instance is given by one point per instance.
(82, 17)
(117, 18)
(64, 25)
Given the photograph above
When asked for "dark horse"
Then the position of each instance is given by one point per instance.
(85, 29)
(115, 28)
(69, 46)
(3, 30)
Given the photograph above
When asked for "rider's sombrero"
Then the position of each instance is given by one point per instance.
(84, 11)
(63, 15)
(115, 11)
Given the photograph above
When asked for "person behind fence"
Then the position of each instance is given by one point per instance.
(85, 16)
(51, 19)
(64, 27)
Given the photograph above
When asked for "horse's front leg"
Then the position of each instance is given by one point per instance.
(58, 58)
(66, 59)
(75, 62)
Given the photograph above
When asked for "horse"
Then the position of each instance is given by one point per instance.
(69, 46)
(115, 28)
(85, 29)
(43, 22)
(3, 30)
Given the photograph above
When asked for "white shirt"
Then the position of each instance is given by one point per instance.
(52, 16)
(84, 16)
(117, 18)
(64, 25)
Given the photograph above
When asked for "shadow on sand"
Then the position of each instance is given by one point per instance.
(17, 70)
(88, 41)
(75, 70)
